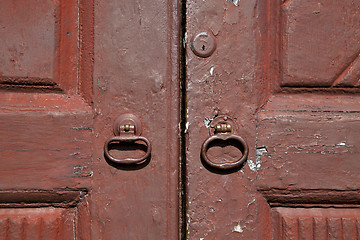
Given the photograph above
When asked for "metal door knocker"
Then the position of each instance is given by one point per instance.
(224, 132)
(127, 129)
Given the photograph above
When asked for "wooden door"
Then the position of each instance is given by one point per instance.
(46, 119)
(287, 73)
(283, 74)
(68, 69)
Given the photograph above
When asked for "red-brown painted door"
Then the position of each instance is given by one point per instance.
(46, 119)
(68, 69)
(287, 73)
(284, 74)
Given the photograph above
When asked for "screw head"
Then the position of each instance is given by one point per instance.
(203, 44)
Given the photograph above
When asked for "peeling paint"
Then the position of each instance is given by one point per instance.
(78, 169)
(207, 122)
(254, 166)
(236, 2)
(260, 151)
(341, 147)
(238, 228)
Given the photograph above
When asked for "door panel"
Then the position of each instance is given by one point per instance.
(18, 55)
(61, 214)
(315, 223)
(319, 43)
(40, 51)
(52, 223)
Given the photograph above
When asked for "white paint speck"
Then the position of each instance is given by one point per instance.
(238, 228)
(251, 202)
(187, 124)
(341, 144)
(212, 70)
(184, 40)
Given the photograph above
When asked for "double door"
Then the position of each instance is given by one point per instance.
(246, 112)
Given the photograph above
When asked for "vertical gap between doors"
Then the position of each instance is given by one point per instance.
(183, 120)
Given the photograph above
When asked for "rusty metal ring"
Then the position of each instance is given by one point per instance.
(225, 137)
(127, 161)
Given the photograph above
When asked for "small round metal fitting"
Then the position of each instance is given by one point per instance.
(127, 121)
(203, 44)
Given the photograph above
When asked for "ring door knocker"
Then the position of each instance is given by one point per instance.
(127, 129)
(224, 132)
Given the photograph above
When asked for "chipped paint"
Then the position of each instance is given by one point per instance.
(341, 144)
(260, 151)
(184, 40)
(207, 122)
(255, 166)
(188, 223)
(78, 169)
(251, 202)
(238, 228)
(236, 2)
(212, 70)
(187, 124)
